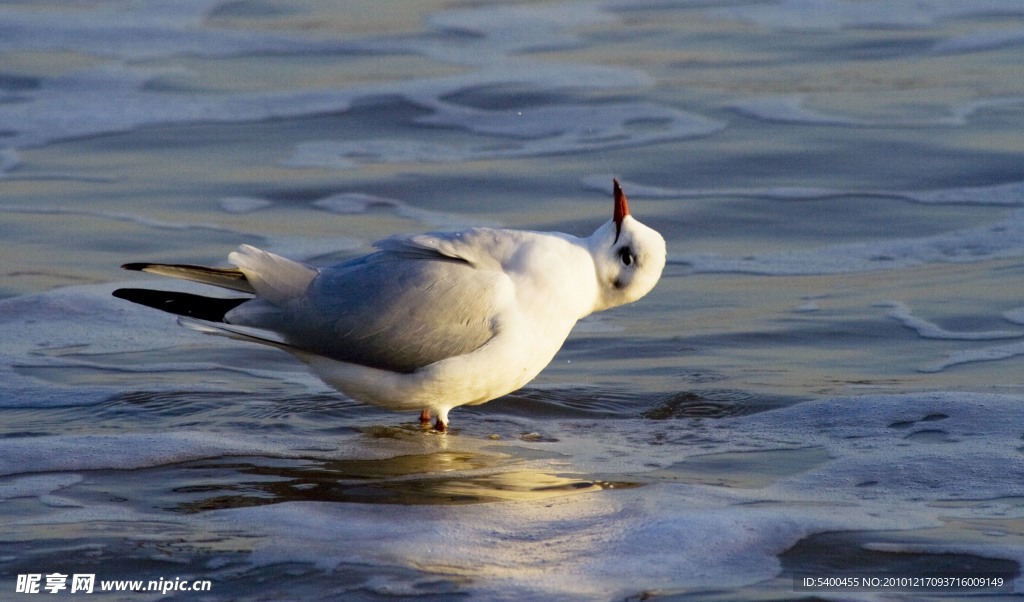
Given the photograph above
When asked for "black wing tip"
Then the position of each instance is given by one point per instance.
(211, 309)
(135, 267)
(123, 293)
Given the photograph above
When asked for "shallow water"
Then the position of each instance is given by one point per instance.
(826, 381)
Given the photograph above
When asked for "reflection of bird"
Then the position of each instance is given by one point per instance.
(428, 322)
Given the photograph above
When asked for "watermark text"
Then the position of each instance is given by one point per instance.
(86, 583)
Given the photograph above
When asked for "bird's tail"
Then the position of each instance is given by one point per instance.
(229, 278)
(211, 309)
(199, 307)
(259, 274)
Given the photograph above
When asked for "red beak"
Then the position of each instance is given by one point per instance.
(621, 207)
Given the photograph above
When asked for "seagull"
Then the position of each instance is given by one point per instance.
(428, 322)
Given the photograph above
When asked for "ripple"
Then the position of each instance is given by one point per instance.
(440, 478)
(593, 402)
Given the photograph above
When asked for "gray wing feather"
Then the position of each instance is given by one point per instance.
(399, 309)
(231, 279)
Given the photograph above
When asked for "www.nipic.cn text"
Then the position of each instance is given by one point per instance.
(86, 583)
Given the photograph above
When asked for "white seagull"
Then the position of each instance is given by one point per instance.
(428, 322)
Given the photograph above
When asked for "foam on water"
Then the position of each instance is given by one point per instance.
(242, 204)
(831, 15)
(136, 219)
(1015, 315)
(38, 486)
(609, 544)
(62, 454)
(51, 337)
(347, 203)
(513, 30)
(715, 494)
(143, 30)
(528, 132)
(981, 41)
(1010, 194)
(115, 96)
(969, 356)
(882, 473)
(1002, 239)
(790, 109)
(873, 462)
(929, 330)
(301, 248)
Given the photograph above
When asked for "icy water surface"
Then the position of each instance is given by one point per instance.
(827, 381)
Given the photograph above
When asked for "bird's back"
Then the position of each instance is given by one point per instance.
(387, 310)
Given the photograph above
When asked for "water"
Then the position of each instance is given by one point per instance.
(826, 381)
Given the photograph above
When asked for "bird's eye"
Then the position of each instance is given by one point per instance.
(626, 256)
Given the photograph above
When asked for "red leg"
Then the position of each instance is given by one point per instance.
(440, 426)
(425, 417)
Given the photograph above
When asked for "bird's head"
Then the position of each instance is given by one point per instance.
(628, 256)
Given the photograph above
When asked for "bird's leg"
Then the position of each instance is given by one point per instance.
(425, 417)
(441, 424)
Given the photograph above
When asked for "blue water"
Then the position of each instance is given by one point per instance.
(826, 381)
